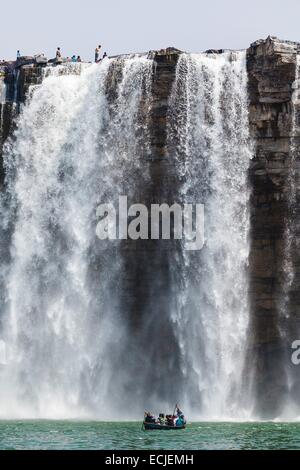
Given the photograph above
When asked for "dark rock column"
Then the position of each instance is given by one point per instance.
(17, 81)
(271, 74)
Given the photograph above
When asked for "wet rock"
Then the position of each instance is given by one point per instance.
(271, 67)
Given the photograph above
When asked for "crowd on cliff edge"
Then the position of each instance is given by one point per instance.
(41, 58)
(74, 58)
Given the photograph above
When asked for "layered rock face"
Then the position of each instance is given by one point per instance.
(274, 258)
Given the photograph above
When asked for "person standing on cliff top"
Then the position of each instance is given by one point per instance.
(97, 53)
(18, 54)
(58, 55)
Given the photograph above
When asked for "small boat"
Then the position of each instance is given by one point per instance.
(160, 427)
(150, 423)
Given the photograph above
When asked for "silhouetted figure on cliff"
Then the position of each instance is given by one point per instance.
(58, 55)
(18, 55)
(104, 55)
(97, 53)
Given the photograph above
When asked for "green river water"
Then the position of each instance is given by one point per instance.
(128, 435)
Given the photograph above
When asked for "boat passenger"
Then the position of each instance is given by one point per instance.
(161, 418)
(178, 411)
(74, 58)
(149, 418)
(180, 420)
(170, 421)
(78, 58)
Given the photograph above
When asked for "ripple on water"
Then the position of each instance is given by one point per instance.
(97, 435)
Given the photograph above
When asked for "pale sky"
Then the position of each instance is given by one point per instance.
(122, 26)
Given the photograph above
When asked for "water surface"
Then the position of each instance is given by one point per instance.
(128, 435)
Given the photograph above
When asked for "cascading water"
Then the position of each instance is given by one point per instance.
(74, 147)
(103, 329)
(2, 101)
(209, 143)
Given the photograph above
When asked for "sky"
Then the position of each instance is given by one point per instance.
(124, 26)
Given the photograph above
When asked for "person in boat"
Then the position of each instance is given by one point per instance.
(149, 418)
(179, 421)
(79, 58)
(178, 411)
(161, 419)
(74, 58)
(170, 421)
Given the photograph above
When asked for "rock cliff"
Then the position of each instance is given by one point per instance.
(274, 287)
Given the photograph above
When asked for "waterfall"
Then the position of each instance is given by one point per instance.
(102, 329)
(2, 90)
(2, 104)
(76, 145)
(210, 146)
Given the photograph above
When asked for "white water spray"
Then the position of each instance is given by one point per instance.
(72, 149)
(72, 348)
(209, 139)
